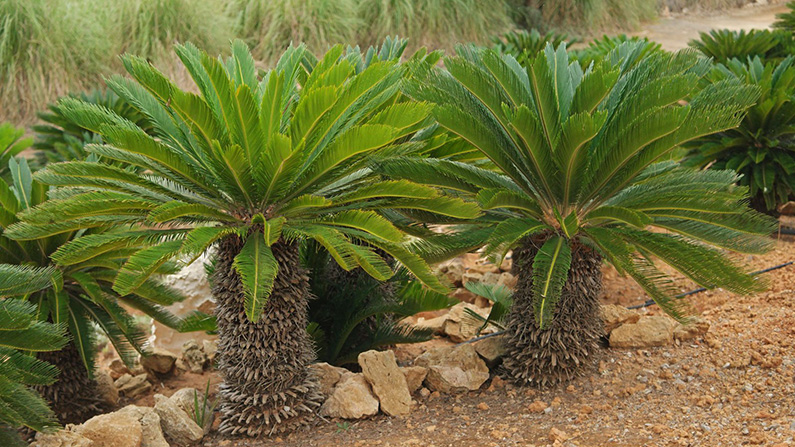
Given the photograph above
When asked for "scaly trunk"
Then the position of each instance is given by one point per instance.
(558, 353)
(73, 397)
(267, 386)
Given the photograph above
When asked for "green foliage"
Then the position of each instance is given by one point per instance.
(599, 49)
(270, 26)
(577, 157)
(150, 28)
(81, 296)
(22, 333)
(203, 408)
(724, 45)
(12, 142)
(47, 48)
(353, 313)
(501, 298)
(251, 157)
(786, 20)
(762, 148)
(523, 45)
(433, 23)
(61, 139)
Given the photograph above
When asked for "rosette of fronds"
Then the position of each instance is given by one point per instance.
(23, 333)
(762, 148)
(723, 45)
(577, 180)
(599, 49)
(786, 20)
(523, 45)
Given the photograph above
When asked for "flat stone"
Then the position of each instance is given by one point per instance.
(454, 369)
(177, 425)
(160, 361)
(614, 316)
(328, 376)
(415, 375)
(697, 328)
(62, 438)
(491, 349)
(152, 433)
(460, 326)
(132, 386)
(118, 429)
(649, 331)
(352, 399)
(380, 369)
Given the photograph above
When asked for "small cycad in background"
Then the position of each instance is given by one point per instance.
(723, 45)
(762, 148)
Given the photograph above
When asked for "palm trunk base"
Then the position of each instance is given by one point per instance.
(73, 397)
(267, 386)
(566, 348)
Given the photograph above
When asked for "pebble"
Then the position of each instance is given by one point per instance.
(483, 406)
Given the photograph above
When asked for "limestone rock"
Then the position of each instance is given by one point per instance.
(491, 349)
(453, 369)
(690, 331)
(328, 376)
(131, 386)
(351, 399)
(210, 348)
(507, 280)
(152, 434)
(614, 316)
(117, 369)
(647, 332)
(62, 438)
(464, 295)
(159, 361)
(187, 398)
(471, 276)
(193, 357)
(415, 375)
(461, 327)
(436, 324)
(455, 272)
(177, 425)
(490, 278)
(787, 209)
(380, 369)
(118, 429)
(106, 389)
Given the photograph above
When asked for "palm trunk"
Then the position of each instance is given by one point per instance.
(73, 397)
(558, 353)
(267, 386)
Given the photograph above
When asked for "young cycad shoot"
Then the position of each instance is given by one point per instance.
(250, 166)
(579, 179)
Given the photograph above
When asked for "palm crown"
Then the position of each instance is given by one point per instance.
(281, 157)
(574, 153)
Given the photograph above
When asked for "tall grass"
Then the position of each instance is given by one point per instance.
(586, 16)
(269, 26)
(150, 28)
(434, 23)
(47, 48)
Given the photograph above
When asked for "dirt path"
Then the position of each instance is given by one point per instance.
(675, 32)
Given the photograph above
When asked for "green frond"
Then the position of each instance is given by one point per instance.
(257, 268)
(550, 272)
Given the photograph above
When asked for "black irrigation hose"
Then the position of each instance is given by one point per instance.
(649, 302)
(702, 289)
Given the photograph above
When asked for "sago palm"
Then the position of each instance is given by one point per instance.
(576, 182)
(82, 298)
(21, 333)
(251, 166)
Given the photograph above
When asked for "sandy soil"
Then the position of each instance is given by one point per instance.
(675, 32)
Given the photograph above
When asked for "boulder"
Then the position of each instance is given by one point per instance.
(187, 398)
(352, 399)
(381, 371)
(647, 332)
(177, 424)
(460, 326)
(106, 389)
(453, 369)
(193, 357)
(131, 386)
(415, 375)
(491, 349)
(62, 438)
(614, 316)
(152, 434)
(117, 429)
(159, 361)
(328, 376)
(697, 328)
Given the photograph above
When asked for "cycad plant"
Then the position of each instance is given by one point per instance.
(786, 20)
(723, 44)
(251, 166)
(600, 48)
(762, 148)
(23, 334)
(12, 142)
(576, 182)
(82, 298)
(523, 45)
